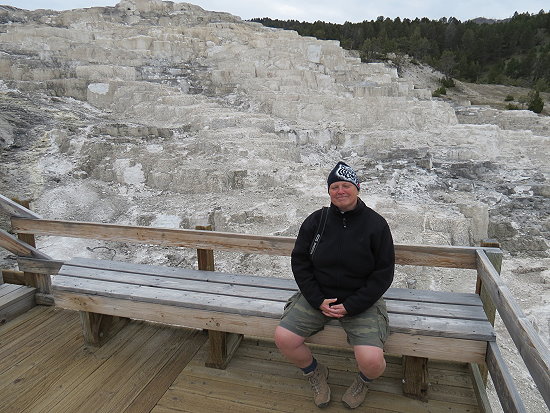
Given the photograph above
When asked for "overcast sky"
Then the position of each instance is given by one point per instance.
(332, 10)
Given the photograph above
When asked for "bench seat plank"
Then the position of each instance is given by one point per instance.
(443, 297)
(177, 298)
(170, 283)
(444, 348)
(175, 272)
(244, 305)
(259, 292)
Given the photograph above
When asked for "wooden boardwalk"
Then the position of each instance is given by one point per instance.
(45, 367)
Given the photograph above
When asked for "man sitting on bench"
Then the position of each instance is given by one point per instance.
(343, 262)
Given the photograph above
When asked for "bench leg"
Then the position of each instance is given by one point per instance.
(415, 377)
(222, 347)
(98, 328)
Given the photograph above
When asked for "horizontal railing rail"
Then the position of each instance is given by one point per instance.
(422, 255)
(529, 344)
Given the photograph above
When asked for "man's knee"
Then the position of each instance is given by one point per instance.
(370, 360)
(286, 339)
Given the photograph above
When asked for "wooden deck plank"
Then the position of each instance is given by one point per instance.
(136, 369)
(31, 370)
(94, 382)
(25, 322)
(15, 349)
(249, 366)
(7, 289)
(157, 385)
(15, 300)
(245, 386)
(81, 367)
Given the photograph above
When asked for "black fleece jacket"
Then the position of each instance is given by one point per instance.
(353, 262)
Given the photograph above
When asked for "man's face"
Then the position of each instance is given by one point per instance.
(344, 195)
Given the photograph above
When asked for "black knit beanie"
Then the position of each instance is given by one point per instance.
(343, 172)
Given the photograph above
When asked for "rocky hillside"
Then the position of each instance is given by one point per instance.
(164, 114)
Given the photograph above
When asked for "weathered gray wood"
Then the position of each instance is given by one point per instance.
(196, 239)
(14, 245)
(14, 209)
(413, 324)
(14, 301)
(205, 257)
(178, 298)
(415, 377)
(529, 344)
(6, 289)
(222, 347)
(183, 273)
(44, 299)
(404, 294)
(428, 296)
(452, 311)
(445, 327)
(479, 389)
(10, 293)
(503, 381)
(193, 285)
(259, 292)
(19, 248)
(14, 277)
(443, 348)
(98, 328)
(436, 256)
(496, 261)
(39, 266)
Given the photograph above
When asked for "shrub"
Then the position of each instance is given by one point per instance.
(535, 104)
(447, 82)
(508, 98)
(439, 91)
(511, 106)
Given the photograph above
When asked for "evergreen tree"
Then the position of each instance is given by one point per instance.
(516, 51)
(535, 104)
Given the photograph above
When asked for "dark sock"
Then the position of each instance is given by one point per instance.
(311, 367)
(364, 378)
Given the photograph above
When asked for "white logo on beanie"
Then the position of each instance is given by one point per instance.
(343, 172)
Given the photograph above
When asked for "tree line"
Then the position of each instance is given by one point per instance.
(514, 51)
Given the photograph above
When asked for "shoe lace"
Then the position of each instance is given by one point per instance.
(315, 384)
(357, 387)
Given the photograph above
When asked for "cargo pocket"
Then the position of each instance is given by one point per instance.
(291, 303)
(383, 321)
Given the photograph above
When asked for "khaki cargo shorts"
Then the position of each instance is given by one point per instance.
(369, 328)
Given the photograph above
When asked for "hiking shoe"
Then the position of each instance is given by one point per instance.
(318, 380)
(355, 394)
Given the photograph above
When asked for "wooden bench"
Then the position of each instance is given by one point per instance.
(423, 324)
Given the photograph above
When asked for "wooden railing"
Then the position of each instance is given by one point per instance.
(490, 285)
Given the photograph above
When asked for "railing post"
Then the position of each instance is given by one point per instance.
(205, 258)
(415, 375)
(222, 345)
(496, 260)
(32, 279)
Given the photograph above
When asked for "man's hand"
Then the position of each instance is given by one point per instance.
(336, 311)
